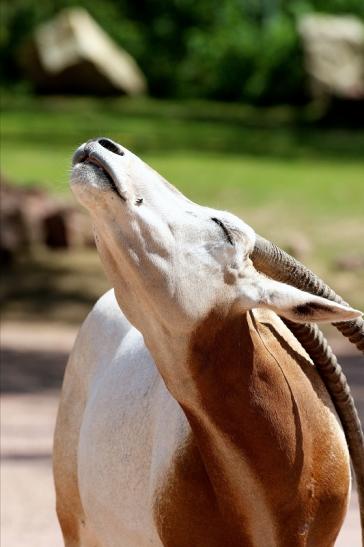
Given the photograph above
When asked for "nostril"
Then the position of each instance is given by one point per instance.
(110, 145)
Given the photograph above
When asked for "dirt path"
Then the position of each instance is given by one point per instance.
(28, 508)
(33, 362)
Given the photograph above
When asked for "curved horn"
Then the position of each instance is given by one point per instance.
(276, 263)
(337, 386)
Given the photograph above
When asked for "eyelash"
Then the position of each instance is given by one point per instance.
(224, 229)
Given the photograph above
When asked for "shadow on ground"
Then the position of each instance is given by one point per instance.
(30, 371)
(57, 287)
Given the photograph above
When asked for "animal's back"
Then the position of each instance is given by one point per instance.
(112, 406)
(123, 447)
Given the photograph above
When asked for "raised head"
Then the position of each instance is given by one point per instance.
(171, 261)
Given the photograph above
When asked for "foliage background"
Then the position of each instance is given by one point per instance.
(241, 50)
(229, 122)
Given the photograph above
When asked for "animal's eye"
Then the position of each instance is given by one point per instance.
(224, 229)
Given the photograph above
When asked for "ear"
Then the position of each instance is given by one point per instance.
(294, 304)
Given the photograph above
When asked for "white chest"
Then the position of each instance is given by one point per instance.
(129, 436)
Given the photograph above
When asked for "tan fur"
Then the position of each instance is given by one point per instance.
(69, 507)
(263, 452)
(268, 404)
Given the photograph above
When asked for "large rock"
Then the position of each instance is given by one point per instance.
(14, 236)
(30, 217)
(334, 53)
(72, 54)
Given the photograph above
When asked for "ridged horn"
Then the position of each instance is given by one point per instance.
(337, 386)
(279, 265)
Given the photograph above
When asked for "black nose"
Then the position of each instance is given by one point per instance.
(110, 145)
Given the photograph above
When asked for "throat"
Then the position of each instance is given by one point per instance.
(216, 355)
(213, 366)
(259, 427)
(222, 417)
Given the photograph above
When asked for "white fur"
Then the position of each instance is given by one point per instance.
(133, 429)
(171, 265)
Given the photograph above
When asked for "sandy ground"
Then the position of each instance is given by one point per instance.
(33, 360)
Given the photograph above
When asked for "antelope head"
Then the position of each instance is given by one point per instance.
(171, 261)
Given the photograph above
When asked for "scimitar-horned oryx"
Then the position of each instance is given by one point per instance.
(191, 416)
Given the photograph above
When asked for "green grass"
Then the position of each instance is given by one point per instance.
(207, 149)
(302, 186)
(321, 187)
(274, 168)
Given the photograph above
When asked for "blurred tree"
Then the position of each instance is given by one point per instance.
(233, 50)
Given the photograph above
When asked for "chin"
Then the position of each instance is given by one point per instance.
(87, 185)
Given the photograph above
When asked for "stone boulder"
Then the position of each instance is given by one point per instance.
(73, 54)
(334, 54)
(30, 218)
(14, 235)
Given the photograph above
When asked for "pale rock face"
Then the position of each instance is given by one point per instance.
(72, 53)
(334, 52)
